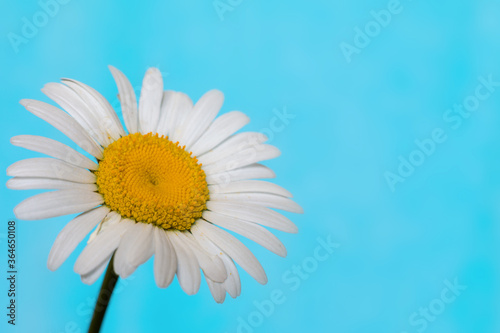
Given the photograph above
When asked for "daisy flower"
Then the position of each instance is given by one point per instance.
(169, 184)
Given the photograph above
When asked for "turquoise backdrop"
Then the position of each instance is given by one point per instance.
(387, 114)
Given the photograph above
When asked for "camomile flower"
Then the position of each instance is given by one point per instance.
(168, 184)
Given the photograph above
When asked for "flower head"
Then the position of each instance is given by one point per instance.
(167, 184)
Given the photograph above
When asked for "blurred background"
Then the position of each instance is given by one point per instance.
(386, 113)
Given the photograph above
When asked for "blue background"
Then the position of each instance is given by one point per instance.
(352, 122)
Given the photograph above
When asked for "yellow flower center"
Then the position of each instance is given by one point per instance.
(150, 179)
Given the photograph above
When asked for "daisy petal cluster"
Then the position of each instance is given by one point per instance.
(169, 183)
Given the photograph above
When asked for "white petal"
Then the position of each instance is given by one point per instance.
(252, 231)
(220, 129)
(264, 199)
(78, 109)
(217, 290)
(64, 123)
(244, 186)
(150, 101)
(72, 234)
(111, 219)
(174, 108)
(233, 145)
(165, 264)
(55, 149)
(58, 203)
(92, 277)
(202, 115)
(50, 168)
(142, 246)
(188, 270)
(212, 265)
(101, 248)
(27, 183)
(101, 107)
(128, 100)
(233, 247)
(135, 248)
(249, 172)
(232, 283)
(243, 158)
(253, 213)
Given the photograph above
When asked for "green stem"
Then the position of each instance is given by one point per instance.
(108, 285)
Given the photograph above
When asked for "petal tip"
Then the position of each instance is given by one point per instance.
(51, 266)
(216, 93)
(263, 281)
(18, 212)
(10, 184)
(24, 102)
(86, 281)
